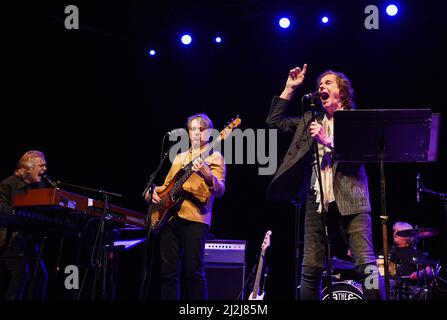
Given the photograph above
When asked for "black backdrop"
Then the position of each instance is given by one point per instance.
(98, 105)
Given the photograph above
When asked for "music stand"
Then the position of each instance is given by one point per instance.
(383, 135)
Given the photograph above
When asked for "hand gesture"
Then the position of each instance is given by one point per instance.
(201, 168)
(317, 131)
(295, 79)
(155, 198)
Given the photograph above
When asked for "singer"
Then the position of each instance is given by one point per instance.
(345, 186)
(182, 239)
(17, 247)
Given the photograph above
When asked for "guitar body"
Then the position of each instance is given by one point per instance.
(160, 213)
(254, 296)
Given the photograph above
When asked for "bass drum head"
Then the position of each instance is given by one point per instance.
(344, 290)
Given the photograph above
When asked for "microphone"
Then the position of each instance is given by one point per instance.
(175, 132)
(317, 94)
(51, 182)
(418, 187)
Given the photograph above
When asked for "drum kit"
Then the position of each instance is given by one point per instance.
(402, 287)
(418, 285)
(343, 287)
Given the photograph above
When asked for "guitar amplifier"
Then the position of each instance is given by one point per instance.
(225, 251)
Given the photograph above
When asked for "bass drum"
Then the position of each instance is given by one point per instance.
(344, 290)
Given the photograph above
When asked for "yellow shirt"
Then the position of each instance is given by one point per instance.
(198, 196)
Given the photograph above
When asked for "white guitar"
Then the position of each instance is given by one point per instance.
(255, 294)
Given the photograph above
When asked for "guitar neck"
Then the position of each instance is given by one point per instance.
(258, 274)
(187, 170)
(178, 186)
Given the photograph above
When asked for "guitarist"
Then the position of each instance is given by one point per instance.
(182, 239)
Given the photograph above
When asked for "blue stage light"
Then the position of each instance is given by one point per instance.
(186, 39)
(325, 19)
(392, 10)
(284, 23)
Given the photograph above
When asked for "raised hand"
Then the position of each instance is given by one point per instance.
(294, 80)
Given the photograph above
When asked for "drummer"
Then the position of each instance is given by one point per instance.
(404, 255)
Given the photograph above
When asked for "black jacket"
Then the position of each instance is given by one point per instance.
(292, 179)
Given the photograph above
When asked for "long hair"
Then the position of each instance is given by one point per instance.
(28, 162)
(345, 87)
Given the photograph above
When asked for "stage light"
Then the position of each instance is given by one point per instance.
(152, 52)
(391, 10)
(186, 39)
(325, 19)
(218, 39)
(284, 23)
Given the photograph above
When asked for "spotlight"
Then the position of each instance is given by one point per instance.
(218, 39)
(284, 23)
(152, 52)
(325, 19)
(391, 10)
(186, 39)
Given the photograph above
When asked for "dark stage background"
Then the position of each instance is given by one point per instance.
(98, 105)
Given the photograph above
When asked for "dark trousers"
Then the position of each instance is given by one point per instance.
(182, 245)
(357, 231)
(14, 276)
(18, 278)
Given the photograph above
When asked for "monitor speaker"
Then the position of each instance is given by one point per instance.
(225, 281)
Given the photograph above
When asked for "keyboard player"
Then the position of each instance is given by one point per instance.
(16, 248)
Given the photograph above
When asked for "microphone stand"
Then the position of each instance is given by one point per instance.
(102, 192)
(323, 211)
(97, 263)
(298, 205)
(423, 189)
(150, 187)
(384, 217)
(443, 198)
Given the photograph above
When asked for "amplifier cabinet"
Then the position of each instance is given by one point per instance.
(225, 251)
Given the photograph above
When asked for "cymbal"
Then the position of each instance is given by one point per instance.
(425, 262)
(421, 233)
(342, 264)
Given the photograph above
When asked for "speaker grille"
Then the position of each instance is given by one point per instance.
(225, 281)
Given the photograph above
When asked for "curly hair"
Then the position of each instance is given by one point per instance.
(344, 85)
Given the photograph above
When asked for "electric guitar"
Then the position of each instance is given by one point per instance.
(255, 294)
(171, 195)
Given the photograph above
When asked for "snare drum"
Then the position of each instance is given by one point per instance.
(381, 265)
(344, 290)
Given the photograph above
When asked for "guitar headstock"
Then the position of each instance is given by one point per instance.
(266, 242)
(235, 123)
